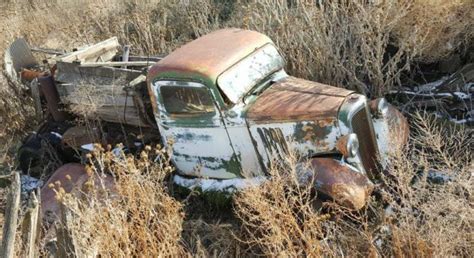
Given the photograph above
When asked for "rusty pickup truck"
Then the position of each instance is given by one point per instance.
(225, 104)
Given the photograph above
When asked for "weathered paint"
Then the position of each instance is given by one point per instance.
(226, 185)
(354, 117)
(390, 126)
(205, 58)
(293, 99)
(242, 142)
(275, 141)
(200, 143)
(280, 115)
(339, 181)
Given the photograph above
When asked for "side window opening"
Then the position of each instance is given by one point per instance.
(182, 100)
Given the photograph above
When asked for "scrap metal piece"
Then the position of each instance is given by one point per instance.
(342, 183)
(80, 135)
(48, 88)
(70, 178)
(17, 57)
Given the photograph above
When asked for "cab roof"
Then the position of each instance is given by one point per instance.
(209, 55)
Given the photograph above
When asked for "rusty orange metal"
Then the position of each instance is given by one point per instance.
(297, 99)
(399, 124)
(344, 185)
(70, 177)
(30, 75)
(211, 54)
(341, 145)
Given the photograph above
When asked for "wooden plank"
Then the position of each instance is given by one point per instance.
(112, 64)
(31, 226)
(48, 51)
(66, 243)
(74, 73)
(103, 95)
(103, 51)
(145, 58)
(11, 217)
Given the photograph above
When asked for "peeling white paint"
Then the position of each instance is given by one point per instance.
(226, 185)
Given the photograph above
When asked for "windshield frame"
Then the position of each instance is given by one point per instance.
(254, 85)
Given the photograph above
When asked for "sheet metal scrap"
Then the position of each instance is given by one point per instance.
(17, 57)
(449, 97)
(70, 178)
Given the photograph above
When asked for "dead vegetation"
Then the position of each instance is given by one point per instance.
(136, 217)
(358, 45)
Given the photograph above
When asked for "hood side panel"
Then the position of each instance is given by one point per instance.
(275, 141)
(293, 99)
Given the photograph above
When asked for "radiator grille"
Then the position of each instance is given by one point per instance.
(367, 146)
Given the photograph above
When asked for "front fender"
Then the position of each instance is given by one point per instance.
(341, 182)
(390, 126)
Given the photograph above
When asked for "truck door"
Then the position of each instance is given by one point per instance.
(191, 123)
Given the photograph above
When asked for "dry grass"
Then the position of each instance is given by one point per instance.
(134, 218)
(278, 218)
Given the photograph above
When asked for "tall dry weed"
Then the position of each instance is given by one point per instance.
(278, 217)
(135, 217)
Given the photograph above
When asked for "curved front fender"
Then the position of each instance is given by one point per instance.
(391, 129)
(341, 182)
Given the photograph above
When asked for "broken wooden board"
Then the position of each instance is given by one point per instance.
(106, 102)
(112, 64)
(101, 52)
(75, 73)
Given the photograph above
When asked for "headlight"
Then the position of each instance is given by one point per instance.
(348, 145)
(379, 107)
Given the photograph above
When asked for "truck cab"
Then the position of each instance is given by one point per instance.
(228, 109)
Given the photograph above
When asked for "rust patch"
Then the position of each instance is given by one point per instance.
(30, 75)
(341, 145)
(399, 124)
(346, 186)
(71, 178)
(211, 54)
(297, 99)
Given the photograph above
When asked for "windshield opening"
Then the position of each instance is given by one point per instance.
(242, 77)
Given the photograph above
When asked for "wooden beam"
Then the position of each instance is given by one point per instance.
(112, 64)
(31, 226)
(11, 218)
(104, 51)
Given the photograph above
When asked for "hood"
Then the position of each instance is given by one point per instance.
(294, 99)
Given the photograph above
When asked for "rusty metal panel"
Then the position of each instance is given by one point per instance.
(48, 88)
(362, 126)
(211, 54)
(293, 99)
(343, 184)
(71, 178)
(17, 57)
